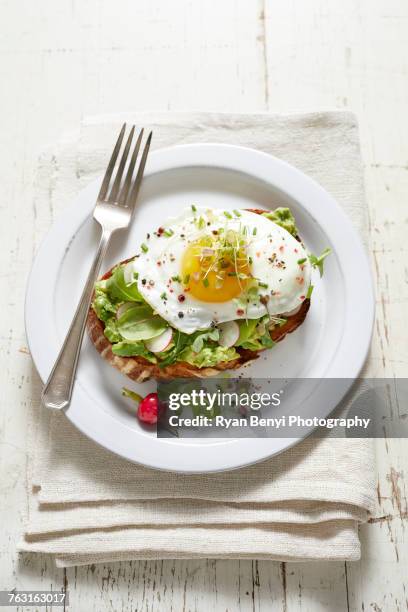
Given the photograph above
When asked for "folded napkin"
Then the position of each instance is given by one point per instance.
(85, 505)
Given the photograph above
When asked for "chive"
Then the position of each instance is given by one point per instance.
(227, 214)
(144, 248)
(250, 259)
(201, 223)
(206, 282)
(193, 208)
(168, 232)
(135, 275)
(264, 285)
(302, 261)
(309, 292)
(231, 274)
(236, 213)
(164, 296)
(176, 279)
(186, 279)
(254, 231)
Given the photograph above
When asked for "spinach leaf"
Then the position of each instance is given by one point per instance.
(119, 290)
(140, 323)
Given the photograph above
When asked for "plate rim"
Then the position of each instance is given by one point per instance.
(251, 162)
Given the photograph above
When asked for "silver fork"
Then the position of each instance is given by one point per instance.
(113, 211)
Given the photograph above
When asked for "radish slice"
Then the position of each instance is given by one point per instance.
(160, 343)
(291, 313)
(129, 272)
(229, 333)
(123, 308)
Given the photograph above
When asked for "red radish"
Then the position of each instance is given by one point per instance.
(161, 342)
(229, 333)
(291, 313)
(129, 272)
(123, 308)
(148, 409)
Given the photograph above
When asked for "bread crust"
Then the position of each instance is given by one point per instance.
(140, 369)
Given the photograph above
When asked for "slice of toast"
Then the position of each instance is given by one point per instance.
(140, 369)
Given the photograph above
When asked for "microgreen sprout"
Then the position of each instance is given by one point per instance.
(318, 262)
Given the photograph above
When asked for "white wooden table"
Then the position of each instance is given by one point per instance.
(62, 60)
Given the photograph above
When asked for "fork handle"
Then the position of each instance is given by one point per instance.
(58, 388)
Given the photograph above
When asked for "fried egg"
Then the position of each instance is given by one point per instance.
(209, 266)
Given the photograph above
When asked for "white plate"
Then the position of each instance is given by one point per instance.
(332, 343)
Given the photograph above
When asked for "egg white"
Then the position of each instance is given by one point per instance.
(275, 258)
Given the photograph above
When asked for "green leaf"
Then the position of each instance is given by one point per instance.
(140, 323)
(170, 356)
(246, 330)
(133, 349)
(266, 340)
(117, 289)
(254, 334)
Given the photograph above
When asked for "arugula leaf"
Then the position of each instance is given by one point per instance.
(266, 340)
(317, 262)
(133, 349)
(180, 340)
(140, 323)
(117, 289)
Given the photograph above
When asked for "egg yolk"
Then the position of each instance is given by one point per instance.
(211, 276)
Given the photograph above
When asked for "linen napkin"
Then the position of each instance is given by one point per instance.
(85, 505)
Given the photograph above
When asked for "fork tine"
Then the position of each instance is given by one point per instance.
(136, 185)
(111, 165)
(128, 180)
(116, 184)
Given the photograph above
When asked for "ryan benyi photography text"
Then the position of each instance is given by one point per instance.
(209, 402)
